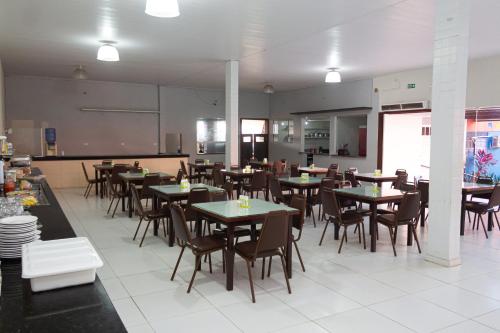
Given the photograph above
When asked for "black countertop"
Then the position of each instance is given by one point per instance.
(85, 308)
(105, 157)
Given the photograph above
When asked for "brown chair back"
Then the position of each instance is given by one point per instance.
(199, 161)
(217, 176)
(137, 200)
(409, 207)
(484, 180)
(198, 195)
(406, 187)
(402, 179)
(298, 202)
(276, 191)
(183, 168)
(179, 221)
(117, 169)
(278, 168)
(136, 164)
(109, 184)
(274, 232)
(331, 173)
(294, 170)
(218, 196)
(423, 187)
(229, 187)
(258, 180)
(495, 197)
(180, 174)
(330, 204)
(150, 179)
(334, 166)
(85, 172)
(351, 177)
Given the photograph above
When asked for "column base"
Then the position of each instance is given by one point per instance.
(443, 261)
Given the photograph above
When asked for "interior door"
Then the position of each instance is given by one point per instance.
(246, 148)
(261, 146)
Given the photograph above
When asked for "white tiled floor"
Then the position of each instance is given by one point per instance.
(355, 291)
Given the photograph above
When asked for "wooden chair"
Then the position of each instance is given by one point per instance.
(316, 198)
(480, 208)
(196, 177)
(200, 246)
(151, 179)
(257, 183)
(273, 238)
(334, 215)
(407, 214)
(294, 170)
(147, 215)
(277, 194)
(90, 182)
(423, 187)
(116, 193)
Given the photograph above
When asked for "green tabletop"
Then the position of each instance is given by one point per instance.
(232, 210)
(372, 175)
(176, 189)
(138, 175)
(374, 192)
(300, 180)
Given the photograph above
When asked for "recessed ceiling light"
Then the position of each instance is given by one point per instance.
(268, 89)
(80, 73)
(108, 52)
(333, 76)
(162, 8)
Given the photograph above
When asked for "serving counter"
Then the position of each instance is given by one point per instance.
(84, 308)
(66, 171)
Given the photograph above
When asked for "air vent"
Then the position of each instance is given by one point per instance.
(406, 106)
(391, 107)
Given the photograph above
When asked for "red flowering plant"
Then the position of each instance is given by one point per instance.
(483, 160)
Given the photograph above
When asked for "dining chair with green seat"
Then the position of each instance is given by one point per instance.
(147, 215)
(200, 246)
(407, 214)
(335, 216)
(273, 238)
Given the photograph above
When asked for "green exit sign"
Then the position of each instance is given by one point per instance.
(411, 85)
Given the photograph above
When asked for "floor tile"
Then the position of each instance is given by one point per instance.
(266, 315)
(114, 288)
(360, 321)
(468, 326)
(196, 322)
(149, 282)
(140, 329)
(307, 327)
(129, 312)
(128, 261)
(406, 280)
(490, 319)
(417, 314)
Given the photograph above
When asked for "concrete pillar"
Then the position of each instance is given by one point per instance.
(232, 118)
(449, 82)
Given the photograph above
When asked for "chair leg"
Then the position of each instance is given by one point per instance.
(312, 214)
(210, 263)
(250, 280)
(474, 222)
(298, 255)
(164, 227)
(359, 233)
(344, 235)
(177, 263)
(468, 215)
(138, 226)
(263, 267)
(496, 218)
(285, 273)
(363, 231)
(393, 239)
(269, 267)
(196, 265)
(116, 206)
(415, 236)
(324, 231)
(145, 232)
(356, 228)
(319, 212)
(482, 223)
(223, 261)
(110, 205)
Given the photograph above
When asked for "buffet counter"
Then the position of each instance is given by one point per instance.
(66, 171)
(84, 308)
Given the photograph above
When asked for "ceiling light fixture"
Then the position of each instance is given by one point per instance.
(268, 89)
(333, 76)
(108, 52)
(80, 73)
(162, 8)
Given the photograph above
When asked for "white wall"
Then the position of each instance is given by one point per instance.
(55, 102)
(2, 98)
(325, 97)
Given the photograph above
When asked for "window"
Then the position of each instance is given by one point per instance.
(210, 136)
(253, 126)
(283, 131)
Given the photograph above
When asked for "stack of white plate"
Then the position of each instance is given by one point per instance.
(16, 231)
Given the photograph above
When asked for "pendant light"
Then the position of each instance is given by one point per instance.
(108, 52)
(268, 89)
(162, 8)
(333, 76)
(80, 73)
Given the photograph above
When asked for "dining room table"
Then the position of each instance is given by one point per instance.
(307, 185)
(171, 194)
(231, 214)
(373, 196)
(471, 189)
(267, 166)
(378, 179)
(313, 171)
(100, 171)
(199, 168)
(238, 177)
(137, 178)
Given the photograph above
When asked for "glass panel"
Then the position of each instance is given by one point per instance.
(259, 139)
(351, 135)
(283, 131)
(247, 139)
(253, 126)
(210, 136)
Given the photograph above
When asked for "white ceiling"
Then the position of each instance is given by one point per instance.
(289, 43)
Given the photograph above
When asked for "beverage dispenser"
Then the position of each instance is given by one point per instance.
(50, 142)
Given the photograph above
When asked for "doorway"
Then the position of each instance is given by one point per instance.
(254, 140)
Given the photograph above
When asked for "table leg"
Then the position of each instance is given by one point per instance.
(462, 214)
(289, 248)
(156, 205)
(171, 231)
(409, 237)
(129, 195)
(336, 231)
(422, 217)
(97, 182)
(490, 221)
(230, 257)
(373, 227)
(122, 188)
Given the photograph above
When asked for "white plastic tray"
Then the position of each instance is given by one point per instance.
(60, 263)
